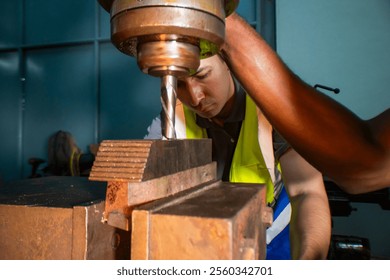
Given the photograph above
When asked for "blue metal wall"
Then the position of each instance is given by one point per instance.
(59, 71)
(344, 44)
(10, 89)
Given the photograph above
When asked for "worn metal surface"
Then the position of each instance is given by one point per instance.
(53, 191)
(35, 232)
(230, 5)
(216, 221)
(140, 171)
(189, 20)
(163, 25)
(122, 197)
(57, 218)
(142, 160)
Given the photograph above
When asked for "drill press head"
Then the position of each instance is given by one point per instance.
(168, 37)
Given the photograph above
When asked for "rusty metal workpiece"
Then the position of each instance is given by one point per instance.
(140, 171)
(142, 160)
(215, 221)
(121, 197)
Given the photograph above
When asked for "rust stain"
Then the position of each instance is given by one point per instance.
(112, 190)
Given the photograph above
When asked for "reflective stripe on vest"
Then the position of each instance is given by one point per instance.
(248, 165)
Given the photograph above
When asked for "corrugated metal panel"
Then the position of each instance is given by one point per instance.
(129, 98)
(10, 97)
(10, 23)
(248, 10)
(49, 21)
(59, 96)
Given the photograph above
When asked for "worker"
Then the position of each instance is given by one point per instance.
(213, 104)
(354, 153)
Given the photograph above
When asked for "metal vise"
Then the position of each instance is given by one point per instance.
(167, 195)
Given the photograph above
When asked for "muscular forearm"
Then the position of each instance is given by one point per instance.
(324, 132)
(310, 227)
(310, 220)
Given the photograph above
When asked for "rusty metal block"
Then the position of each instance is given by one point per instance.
(143, 160)
(141, 171)
(215, 221)
(57, 218)
(122, 197)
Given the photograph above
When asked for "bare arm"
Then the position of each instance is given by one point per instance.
(353, 152)
(310, 226)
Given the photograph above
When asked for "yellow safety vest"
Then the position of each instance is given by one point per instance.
(248, 165)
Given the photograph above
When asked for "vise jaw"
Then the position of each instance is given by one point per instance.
(166, 193)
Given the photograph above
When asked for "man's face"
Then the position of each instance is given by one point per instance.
(209, 89)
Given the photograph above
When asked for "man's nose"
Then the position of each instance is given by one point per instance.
(195, 94)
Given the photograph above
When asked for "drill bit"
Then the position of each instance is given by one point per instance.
(168, 102)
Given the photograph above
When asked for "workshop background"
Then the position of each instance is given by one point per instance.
(59, 71)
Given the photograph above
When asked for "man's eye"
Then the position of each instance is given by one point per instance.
(202, 76)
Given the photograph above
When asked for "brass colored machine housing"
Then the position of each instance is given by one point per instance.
(168, 38)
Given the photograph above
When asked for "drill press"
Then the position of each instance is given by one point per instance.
(168, 38)
(173, 204)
